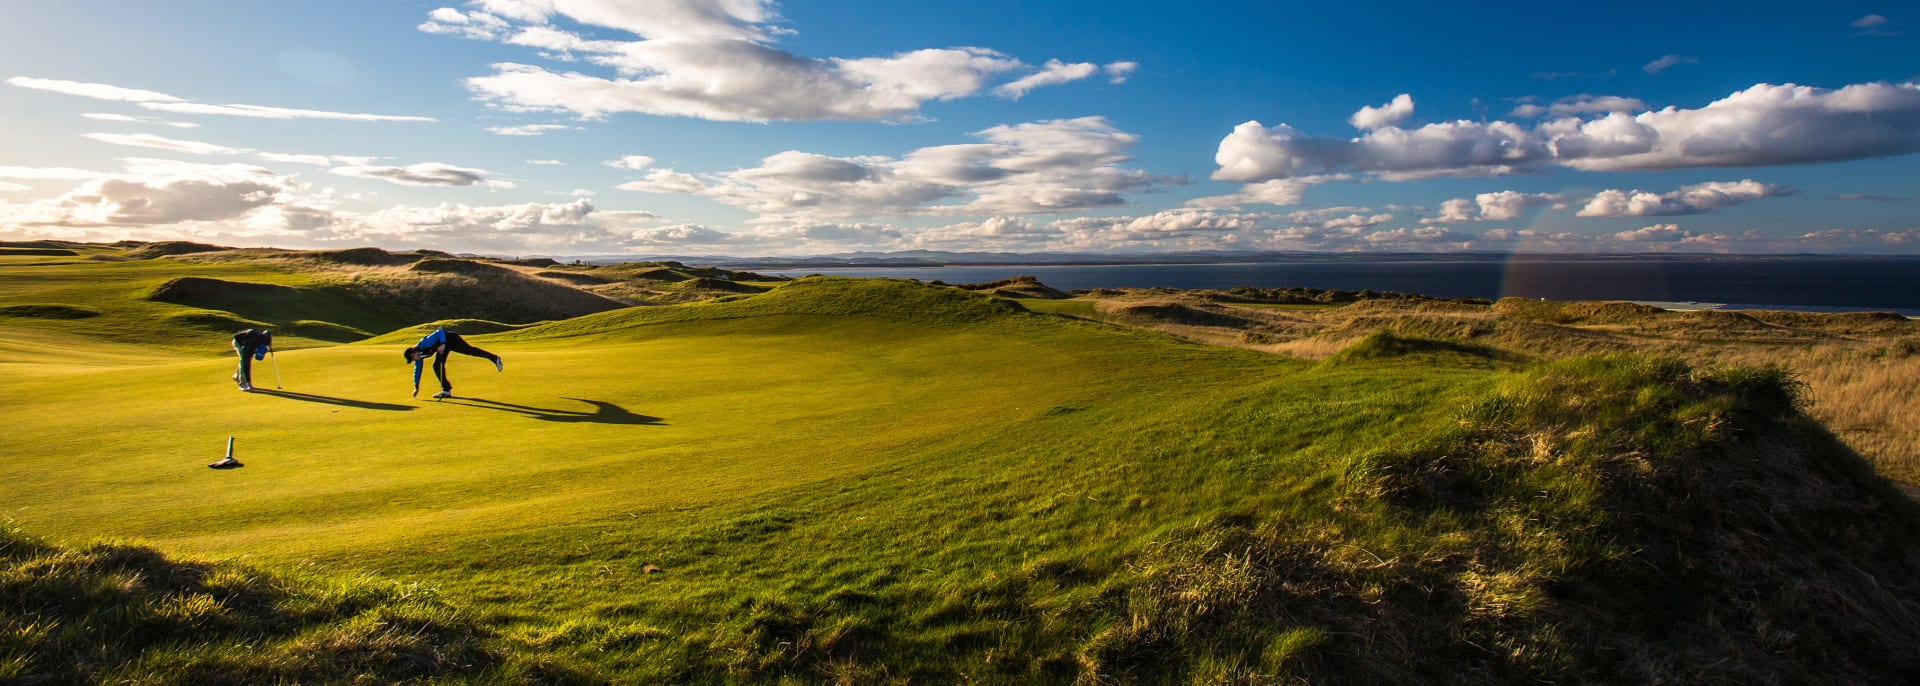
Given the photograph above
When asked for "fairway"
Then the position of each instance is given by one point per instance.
(343, 462)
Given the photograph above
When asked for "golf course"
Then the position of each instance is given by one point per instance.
(689, 475)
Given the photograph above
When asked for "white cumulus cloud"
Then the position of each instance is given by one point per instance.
(1498, 206)
(1033, 168)
(715, 59)
(1764, 125)
(153, 192)
(1695, 199)
(631, 162)
(1394, 112)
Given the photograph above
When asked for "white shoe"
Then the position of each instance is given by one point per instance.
(247, 388)
(498, 366)
(443, 394)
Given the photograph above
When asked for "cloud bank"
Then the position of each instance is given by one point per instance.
(1035, 168)
(1764, 125)
(715, 59)
(1694, 199)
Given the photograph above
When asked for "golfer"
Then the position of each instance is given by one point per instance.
(251, 344)
(438, 344)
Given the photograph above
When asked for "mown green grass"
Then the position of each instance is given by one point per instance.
(869, 481)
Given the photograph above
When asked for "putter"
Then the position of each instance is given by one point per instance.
(276, 367)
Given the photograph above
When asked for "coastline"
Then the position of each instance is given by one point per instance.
(1808, 284)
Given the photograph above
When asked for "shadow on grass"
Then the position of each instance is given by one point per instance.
(330, 400)
(603, 412)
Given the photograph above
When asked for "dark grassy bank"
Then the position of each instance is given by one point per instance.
(112, 613)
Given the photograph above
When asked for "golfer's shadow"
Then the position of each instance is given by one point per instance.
(330, 400)
(603, 412)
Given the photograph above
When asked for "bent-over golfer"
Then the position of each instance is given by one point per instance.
(251, 344)
(438, 344)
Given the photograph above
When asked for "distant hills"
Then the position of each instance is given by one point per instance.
(940, 258)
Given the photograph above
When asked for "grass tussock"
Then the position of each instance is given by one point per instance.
(1388, 346)
(1601, 520)
(121, 613)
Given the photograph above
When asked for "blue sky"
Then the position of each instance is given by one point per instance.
(748, 127)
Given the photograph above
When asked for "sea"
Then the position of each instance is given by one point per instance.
(1817, 284)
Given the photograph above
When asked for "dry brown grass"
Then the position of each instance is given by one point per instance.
(1862, 394)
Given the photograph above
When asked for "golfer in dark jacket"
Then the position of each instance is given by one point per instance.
(438, 344)
(251, 344)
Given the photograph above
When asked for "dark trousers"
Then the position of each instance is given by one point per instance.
(456, 344)
(244, 375)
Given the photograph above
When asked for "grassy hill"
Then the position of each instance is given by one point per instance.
(874, 481)
(1857, 366)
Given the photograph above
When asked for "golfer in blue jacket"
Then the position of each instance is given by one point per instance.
(251, 344)
(438, 344)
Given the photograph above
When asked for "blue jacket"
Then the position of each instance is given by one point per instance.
(426, 345)
(255, 341)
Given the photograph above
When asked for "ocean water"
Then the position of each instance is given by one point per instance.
(1818, 284)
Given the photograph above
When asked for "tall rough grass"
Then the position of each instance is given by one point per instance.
(1602, 520)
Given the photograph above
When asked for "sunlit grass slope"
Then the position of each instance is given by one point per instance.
(155, 298)
(869, 481)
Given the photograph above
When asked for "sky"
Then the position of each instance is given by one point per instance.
(763, 128)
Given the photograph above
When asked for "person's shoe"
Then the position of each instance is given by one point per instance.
(246, 388)
(498, 366)
(443, 394)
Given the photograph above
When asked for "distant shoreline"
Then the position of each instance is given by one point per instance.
(1212, 259)
(1798, 283)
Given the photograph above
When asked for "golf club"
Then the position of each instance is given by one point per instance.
(228, 462)
(276, 367)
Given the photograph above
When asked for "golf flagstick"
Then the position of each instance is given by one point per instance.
(276, 366)
(229, 462)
